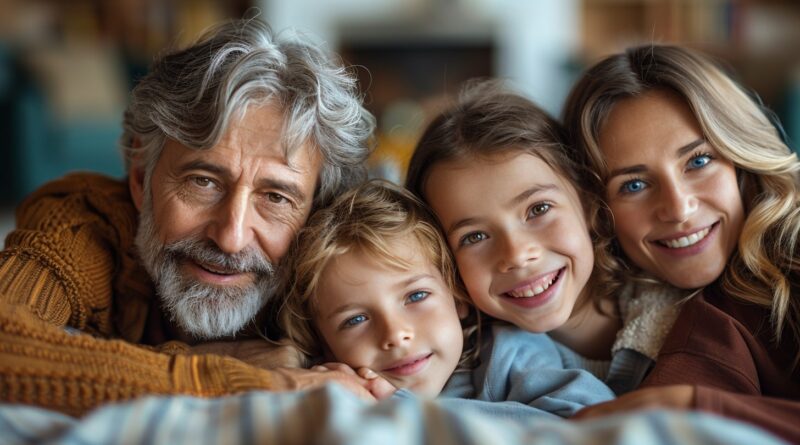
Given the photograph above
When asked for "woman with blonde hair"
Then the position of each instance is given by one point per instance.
(702, 195)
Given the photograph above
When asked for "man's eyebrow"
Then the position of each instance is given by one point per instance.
(203, 165)
(640, 168)
(525, 194)
(286, 187)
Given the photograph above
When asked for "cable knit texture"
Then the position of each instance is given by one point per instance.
(74, 302)
(648, 312)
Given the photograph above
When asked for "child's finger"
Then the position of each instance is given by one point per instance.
(380, 388)
(336, 366)
(367, 373)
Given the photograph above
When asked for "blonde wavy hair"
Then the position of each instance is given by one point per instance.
(762, 269)
(365, 219)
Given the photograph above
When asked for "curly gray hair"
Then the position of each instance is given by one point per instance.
(192, 95)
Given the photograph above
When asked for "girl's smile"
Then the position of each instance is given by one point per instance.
(518, 234)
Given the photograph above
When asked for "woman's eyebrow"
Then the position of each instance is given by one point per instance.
(640, 168)
(689, 147)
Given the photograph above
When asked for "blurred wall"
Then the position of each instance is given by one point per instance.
(66, 66)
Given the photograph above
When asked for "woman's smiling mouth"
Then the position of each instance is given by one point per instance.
(687, 240)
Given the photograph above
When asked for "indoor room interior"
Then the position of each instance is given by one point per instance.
(66, 66)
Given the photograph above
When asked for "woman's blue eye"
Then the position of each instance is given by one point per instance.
(354, 321)
(632, 186)
(699, 161)
(418, 296)
(472, 238)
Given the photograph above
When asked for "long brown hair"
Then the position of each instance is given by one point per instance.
(489, 119)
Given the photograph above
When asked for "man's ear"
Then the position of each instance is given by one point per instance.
(136, 176)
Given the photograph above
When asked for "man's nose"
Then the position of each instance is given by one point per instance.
(231, 228)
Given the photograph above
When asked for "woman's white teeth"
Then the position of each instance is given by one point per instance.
(532, 291)
(686, 241)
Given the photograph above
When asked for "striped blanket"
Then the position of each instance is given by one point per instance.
(332, 415)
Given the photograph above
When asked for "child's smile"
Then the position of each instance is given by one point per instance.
(519, 236)
(535, 292)
(399, 320)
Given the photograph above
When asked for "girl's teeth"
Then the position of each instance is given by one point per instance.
(532, 291)
(686, 241)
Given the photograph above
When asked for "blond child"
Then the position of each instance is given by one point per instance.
(374, 289)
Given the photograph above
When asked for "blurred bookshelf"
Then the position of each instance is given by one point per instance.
(759, 40)
(66, 67)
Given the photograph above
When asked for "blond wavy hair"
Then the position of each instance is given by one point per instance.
(762, 269)
(365, 219)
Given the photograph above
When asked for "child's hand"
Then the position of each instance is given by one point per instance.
(379, 387)
(680, 397)
(376, 384)
(295, 379)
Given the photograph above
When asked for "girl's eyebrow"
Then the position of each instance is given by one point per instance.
(538, 188)
(640, 168)
(524, 195)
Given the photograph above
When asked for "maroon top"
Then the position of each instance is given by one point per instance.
(726, 349)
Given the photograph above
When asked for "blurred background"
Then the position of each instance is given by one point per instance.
(66, 66)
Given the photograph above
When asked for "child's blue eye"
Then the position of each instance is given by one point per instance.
(539, 209)
(699, 161)
(418, 296)
(632, 186)
(472, 238)
(354, 321)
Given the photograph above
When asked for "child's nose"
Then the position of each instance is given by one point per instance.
(517, 250)
(396, 333)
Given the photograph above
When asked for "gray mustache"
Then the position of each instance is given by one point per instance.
(206, 252)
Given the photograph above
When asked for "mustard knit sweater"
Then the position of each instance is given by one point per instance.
(74, 302)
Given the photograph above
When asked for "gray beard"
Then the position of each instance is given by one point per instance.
(204, 311)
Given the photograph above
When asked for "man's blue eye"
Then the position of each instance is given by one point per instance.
(417, 296)
(699, 161)
(355, 321)
(633, 186)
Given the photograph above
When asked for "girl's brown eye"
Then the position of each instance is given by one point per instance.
(540, 209)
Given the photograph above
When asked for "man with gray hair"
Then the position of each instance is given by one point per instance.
(110, 289)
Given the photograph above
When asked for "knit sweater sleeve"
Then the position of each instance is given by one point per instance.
(43, 365)
(62, 259)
